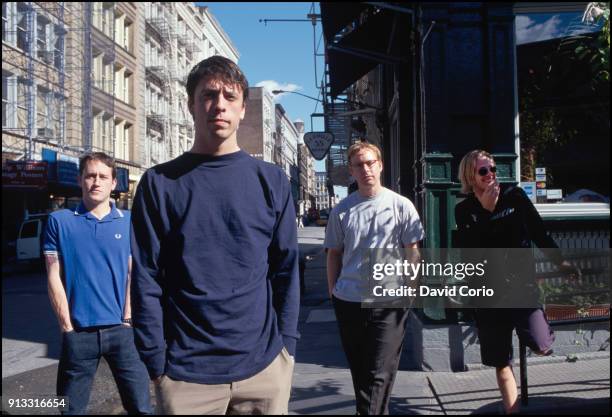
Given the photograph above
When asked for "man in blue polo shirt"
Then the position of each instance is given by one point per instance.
(88, 261)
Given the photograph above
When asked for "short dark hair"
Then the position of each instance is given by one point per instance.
(97, 156)
(217, 67)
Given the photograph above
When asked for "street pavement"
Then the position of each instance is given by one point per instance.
(322, 382)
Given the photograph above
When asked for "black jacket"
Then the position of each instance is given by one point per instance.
(515, 223)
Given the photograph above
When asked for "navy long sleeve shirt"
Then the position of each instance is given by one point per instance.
(215, 284)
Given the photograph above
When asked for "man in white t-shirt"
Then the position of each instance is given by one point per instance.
(371, 217)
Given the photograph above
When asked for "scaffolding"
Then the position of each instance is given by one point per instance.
(53, 62)
(45, 81)
(159, 71)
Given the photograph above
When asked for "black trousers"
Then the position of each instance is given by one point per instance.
(372, 339)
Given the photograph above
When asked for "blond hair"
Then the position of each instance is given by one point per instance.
(468, 166)
(360, 146)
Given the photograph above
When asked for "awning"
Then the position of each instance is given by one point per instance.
(378, 35)
(336, 16)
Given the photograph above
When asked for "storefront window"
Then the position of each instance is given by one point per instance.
(563, 107)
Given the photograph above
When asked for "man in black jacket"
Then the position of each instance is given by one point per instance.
(504, 217)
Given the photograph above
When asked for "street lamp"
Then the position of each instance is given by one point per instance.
(368, 108)
(276, 92)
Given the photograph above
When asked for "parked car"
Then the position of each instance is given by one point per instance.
(29, 241)
(323, 217)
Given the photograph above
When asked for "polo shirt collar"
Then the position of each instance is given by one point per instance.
(81, 210)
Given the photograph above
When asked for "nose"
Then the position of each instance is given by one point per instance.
(219, 102)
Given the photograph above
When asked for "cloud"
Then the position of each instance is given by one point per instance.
(271, 85)
(528, 31)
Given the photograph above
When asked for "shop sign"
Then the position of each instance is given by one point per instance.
(530, 189)
(24, 174)
(318, 143)
(554, 194)
(63, 169)
(67, 170)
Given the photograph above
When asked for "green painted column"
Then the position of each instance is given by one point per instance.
(440, 193)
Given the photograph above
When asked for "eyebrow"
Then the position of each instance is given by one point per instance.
(227, 89)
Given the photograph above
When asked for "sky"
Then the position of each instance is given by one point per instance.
(277, 55)
(540, 27)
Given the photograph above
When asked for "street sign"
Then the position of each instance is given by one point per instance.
(318, 143)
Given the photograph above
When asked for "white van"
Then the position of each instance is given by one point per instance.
(29, 243)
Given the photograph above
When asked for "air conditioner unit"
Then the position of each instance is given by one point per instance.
(45, 132)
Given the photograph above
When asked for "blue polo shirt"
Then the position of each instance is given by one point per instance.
(94, 255)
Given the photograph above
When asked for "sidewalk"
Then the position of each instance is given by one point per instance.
(322, 382)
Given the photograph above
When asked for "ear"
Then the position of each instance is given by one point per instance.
(114, 184)
(243, 111)
(190, 106)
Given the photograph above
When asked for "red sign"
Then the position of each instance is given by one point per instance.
(25, 174)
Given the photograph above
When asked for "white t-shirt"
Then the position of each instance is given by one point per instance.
(387, 220)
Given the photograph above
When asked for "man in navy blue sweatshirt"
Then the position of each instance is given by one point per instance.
(215, 286)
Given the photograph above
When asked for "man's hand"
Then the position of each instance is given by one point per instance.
(67, 329)
(157, 380)
(334, 266)
(488, 199)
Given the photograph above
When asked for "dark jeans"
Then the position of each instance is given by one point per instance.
(372, 339)
(81, 353)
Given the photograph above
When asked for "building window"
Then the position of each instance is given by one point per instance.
(43, 116)
(126, 36)
(563, 108)
(9, 104)
(9, 15)
(108, 20)
(122, 135)
(108, 75)
(22, 26)
(102, 134)
(58, 47)
(22, 106)
(127, 97)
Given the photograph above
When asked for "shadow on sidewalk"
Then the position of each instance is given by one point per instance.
(553, 405)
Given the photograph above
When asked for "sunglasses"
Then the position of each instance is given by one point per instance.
(484, 170)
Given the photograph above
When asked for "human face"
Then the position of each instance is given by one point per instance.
(217, 109)
(97, 183)
(481, 182)
(366, 168)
